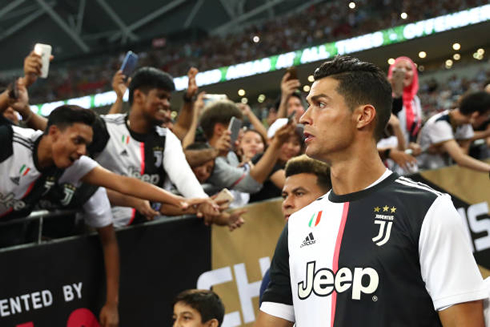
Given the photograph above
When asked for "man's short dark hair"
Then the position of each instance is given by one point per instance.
(198, 146)
(475, 102)
(360, 83)
(306, 165)
(218, 112)
(206, 302)
(148, 78)
(67, 115)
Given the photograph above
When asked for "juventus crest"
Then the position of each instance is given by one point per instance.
(384, 219)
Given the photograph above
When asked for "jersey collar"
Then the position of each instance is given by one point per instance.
(379, 184)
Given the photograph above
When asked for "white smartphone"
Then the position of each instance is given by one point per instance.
(224, 195)
(44, 50)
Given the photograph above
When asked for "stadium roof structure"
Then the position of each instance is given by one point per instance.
(82, 27)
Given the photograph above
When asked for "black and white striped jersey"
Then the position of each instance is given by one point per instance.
(23, 182)
(390, 255)
(150, 157)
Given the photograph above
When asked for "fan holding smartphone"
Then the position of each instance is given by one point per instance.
(121, 80)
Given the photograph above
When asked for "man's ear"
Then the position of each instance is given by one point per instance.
(54, 132)
(212, 323)
(365, 115)
(138, 96)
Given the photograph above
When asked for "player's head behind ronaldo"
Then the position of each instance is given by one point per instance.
(360, 83)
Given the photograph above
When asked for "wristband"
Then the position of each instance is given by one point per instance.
(188, 99)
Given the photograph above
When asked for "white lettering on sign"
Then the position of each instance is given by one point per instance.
(360, 43)
(246, 290)
(26, 302)
(285, 60)
(477, 220)
(68, 293)
(248, 69)
(314, 54)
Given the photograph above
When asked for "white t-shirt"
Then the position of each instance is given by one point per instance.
(437, 130)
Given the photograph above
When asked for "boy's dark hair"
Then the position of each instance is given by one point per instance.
(218, 112)
(67, 115)
(475, 102)
(148, 78)
(206, 302)
(360, 83)
(306, 165)
(198, 146)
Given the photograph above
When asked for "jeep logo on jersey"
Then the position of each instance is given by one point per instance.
(385, 222)
(324, 281)
(9, 201)
(149, 178)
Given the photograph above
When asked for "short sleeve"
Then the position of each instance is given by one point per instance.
(440, 132)
(465, 132)
(447, 265)
(80, 168)
(97, 210)
(278, 300)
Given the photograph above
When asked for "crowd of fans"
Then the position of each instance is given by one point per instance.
(320, 23)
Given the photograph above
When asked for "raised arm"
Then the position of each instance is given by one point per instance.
(288, 86)
(21, 105)
(190, 136)
(263, 167)
(120, 87)
(184, 119)
(256, 123)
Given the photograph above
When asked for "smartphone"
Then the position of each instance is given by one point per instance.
(293, 73)
(291, 116)
(13, 90)
(129, 64)
(210, 98)
(224, 195)
(44, 50)
(234, 128)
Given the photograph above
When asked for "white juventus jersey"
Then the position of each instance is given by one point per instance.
(23, 182)
(390, 255)
(150, 157)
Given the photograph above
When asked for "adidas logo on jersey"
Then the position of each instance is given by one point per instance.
(309, 240)
(124, 153)
(324, 281)
(15, 180)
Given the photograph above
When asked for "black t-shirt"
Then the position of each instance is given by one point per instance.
(269, 190)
